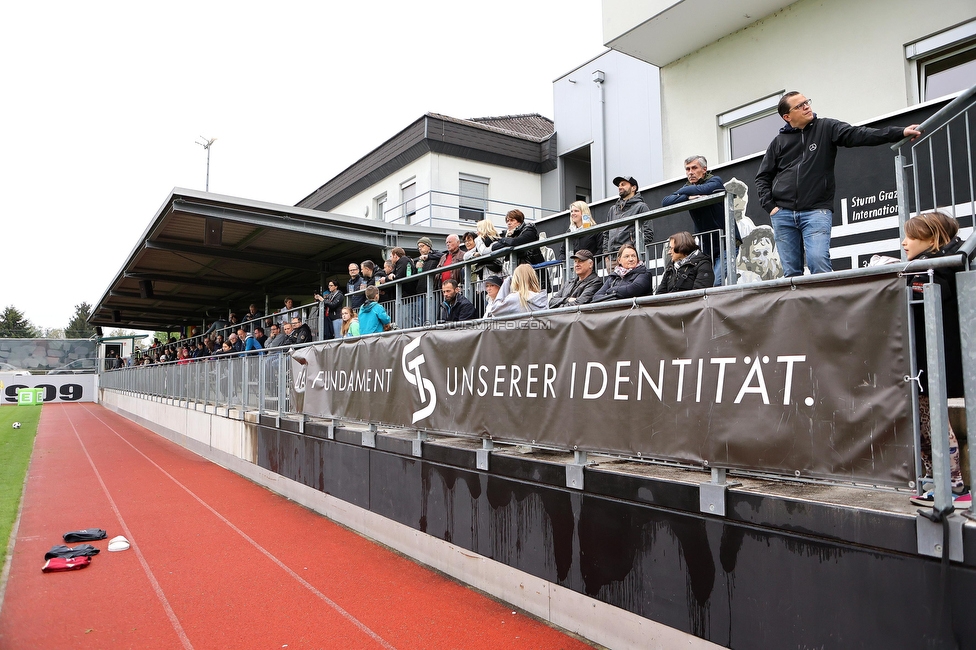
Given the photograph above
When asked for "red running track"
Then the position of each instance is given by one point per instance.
(216, 561)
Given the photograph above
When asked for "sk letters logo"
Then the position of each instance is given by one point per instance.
(813, 147)
(411, 370)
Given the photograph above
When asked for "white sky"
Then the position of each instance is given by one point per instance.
(103, 102)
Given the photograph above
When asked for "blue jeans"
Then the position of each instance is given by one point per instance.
(799, 233)
(719, 266)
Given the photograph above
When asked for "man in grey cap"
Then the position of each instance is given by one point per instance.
(629, 204)
(581, 290)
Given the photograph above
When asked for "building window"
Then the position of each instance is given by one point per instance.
(379, 207)
(750, 129)
(944, 63)
(408, 199)
(473, 199)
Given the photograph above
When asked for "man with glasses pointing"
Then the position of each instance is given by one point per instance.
(795, 181)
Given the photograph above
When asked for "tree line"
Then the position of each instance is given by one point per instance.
(14, 324)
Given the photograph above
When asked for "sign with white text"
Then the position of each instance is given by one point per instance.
(57, 388)
(807, 381)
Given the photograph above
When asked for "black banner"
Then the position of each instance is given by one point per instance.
(805, 381)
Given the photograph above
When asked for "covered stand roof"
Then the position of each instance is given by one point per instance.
(204, 253)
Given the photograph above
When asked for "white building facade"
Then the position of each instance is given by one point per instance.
(608, 116)
(448, 173)
(724, 66)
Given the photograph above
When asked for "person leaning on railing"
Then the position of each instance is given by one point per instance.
(519, 233)
(372, 317)
(580, 220)
(928, 236)
(629, 204)
(628, 279)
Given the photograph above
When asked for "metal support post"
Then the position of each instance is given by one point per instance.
(245, 383)
(901, 189)
(712, 495)
(574, 470)
(487, 444)
(938, 407)
(417, 449)
(369, 436)
(281, 389)
(966, 292)
(262, 376)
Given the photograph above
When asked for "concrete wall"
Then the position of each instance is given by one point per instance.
(623, 131)
(849, 57)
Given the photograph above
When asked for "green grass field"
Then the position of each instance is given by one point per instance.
(15, 452)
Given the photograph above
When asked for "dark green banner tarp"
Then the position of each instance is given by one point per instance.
(805, 381)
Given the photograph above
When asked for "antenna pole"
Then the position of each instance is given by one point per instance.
(206, 145)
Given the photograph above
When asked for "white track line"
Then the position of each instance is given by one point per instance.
(331, 603)
(128, 534)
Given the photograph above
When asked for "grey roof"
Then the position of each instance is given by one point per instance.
(203, 254)
(513, 141)
(532, 124)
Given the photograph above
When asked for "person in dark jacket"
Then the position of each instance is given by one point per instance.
(709, 218)
(300, 331)
(455, 307)
(356, 283)
(426, 261)
(401, 264)
(629, 279)
(629, 204)
(519, 233)
(796, 184)
(333, 302)
(928, 236)
(689, 268)
(581, 290)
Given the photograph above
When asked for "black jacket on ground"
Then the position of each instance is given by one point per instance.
(582, 290)
(694, 273)
(797, 172)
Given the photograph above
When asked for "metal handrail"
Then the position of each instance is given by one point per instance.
(941, 117)
(511, 252)
(229, 385)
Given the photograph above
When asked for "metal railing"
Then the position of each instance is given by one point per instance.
(940, 175)
(233, 384)
(438, 209)
(941, 169)
(552, 276)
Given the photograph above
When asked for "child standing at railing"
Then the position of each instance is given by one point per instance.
(928, 236)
